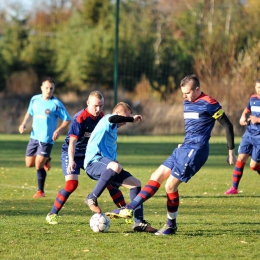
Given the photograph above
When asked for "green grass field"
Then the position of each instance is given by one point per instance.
(211, 225)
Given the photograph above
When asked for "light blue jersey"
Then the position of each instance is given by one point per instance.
(102, 142)
(45, 115)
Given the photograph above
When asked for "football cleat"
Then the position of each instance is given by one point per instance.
(39, 194)
(231, 191)
(113, 214)
(129, 220)
(47, 165)
(93, 204)
(120, 213)
(52, 219)
(166, 230)
(143, 226)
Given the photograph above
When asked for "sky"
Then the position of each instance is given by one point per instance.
(21, 7)
(25, 4)
(17, 7)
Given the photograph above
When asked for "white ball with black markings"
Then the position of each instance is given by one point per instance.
(99, 222)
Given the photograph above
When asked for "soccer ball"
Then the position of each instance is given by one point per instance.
(99, 222)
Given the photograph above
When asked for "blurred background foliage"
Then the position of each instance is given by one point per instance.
(160, 42)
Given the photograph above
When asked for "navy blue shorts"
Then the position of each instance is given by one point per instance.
(250, 145)
(65, 161)
(99, 166)
(36, 147)
(186, 161)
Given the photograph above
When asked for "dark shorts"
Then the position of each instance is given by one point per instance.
(186, 161)
(250, 145)
(36, 147)
(99, 166)
(65, 161)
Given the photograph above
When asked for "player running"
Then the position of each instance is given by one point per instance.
(101, 165)
(250, 143)
(44, 109)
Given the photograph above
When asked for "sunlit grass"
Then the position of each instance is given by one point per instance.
(211, 225)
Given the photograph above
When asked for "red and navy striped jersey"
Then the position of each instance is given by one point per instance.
(199, 119)
(81, 127)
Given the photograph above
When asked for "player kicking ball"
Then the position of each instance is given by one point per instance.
(73, 154)
(101, 165)
(200, 113)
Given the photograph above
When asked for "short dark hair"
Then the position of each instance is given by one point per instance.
(49, 79)
(187, 79)
(258, 81)
(124, 106)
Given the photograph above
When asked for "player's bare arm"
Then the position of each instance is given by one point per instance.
(59, 130)
(26, 120)
(244, 117)
(231, 157)
(71, 153)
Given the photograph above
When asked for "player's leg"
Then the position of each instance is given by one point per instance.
(30, 161)
(172, 205)
(255, 166)
(244, 150)
(237, 174)
(255, 156)
(161, 174)
(117, 196)
(31, 151)
(148, 191)
(185, 162)
(71, 184)
(47, 165)
(41, 175)
(103, 171)
(144, 194)
(62, 196)
(126, 180)
(43, 153)
(130, 182)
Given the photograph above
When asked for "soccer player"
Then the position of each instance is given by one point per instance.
(73, 153)
(101, 165)
(250, 143)
(200, 113)
(44, 109)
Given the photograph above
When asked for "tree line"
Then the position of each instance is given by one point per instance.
(160, 42)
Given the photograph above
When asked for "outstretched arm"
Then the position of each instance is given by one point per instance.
(116, 119)
(224, 121)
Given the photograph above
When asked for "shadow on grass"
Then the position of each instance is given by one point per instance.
(213, 232)
(38, 207)
(212, 196)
